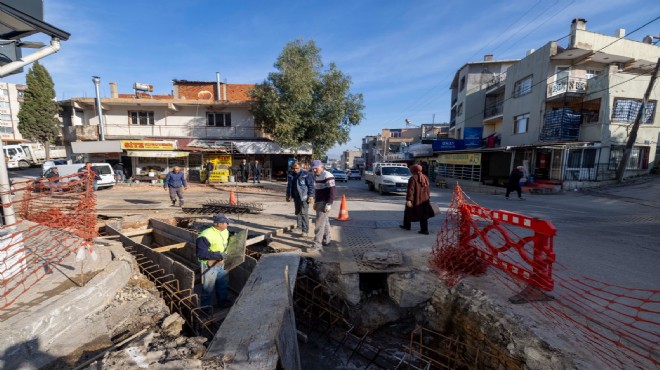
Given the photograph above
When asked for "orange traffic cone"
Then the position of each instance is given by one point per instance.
(343, 209)
(232, 198)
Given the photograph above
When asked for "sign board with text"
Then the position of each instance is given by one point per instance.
(473, 159)
(148, 145)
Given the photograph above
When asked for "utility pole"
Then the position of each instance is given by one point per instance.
(621, 170)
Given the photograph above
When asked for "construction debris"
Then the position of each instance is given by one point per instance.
(382, 259)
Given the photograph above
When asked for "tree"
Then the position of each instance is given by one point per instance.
(301, 103)
(37, 118)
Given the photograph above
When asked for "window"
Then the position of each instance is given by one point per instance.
(4, 92)
(459, 110)
(461, 84)
(218, 119)
(141, 117)
(639, 157)
(4, 104)
(591, 73)
(522, 87)
(6, 130)
(395, 133)
(625, 110)
(5, 117)
(520, 123)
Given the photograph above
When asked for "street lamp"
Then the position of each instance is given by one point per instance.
(97, 82)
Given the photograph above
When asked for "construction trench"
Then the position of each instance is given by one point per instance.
(380, 316)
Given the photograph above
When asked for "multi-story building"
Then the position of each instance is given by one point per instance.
(468, 93)
(153, 133)
(350, 159)
(11, 97)
(565, 113)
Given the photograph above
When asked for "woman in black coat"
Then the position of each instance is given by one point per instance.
(514, 182)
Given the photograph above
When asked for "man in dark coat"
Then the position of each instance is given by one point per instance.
(256, 172)
(514, 182)
(208, 167)
(418, 201)
(243, 168)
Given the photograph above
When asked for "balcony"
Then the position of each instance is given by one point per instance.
(493, 111)
(567, 85)
(80, 133)
(496, 82)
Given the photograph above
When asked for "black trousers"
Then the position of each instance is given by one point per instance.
(423, 225)
(510, 188)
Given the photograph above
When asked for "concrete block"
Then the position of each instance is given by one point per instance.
(411, 289)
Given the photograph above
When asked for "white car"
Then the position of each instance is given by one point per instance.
(339, 175)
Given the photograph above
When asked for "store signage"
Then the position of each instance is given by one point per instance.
(148, 145)
(473, 159)
(472, 137)
(448, 144)
(155, 154)
(220, 159)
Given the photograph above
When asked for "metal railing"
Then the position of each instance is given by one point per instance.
(496, 81)
(90, 132)
(494, 109)
(566, 85)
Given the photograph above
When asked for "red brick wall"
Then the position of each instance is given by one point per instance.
(204, 91)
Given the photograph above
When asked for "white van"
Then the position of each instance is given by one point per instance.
(104, 170)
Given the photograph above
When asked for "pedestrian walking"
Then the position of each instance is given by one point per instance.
(514, 182)
(209, 167)
(418, 201)
(54, 180)
(211, 250)
(243, 168)
(175, 182)
(300, 189)
(256, 172)
(120, 176)
(82, 174)
(324, 196)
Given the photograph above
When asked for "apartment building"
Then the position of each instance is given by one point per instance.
(11, 97)
(563, 112)
(152, 133)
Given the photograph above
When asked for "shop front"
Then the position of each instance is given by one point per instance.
(151, 160)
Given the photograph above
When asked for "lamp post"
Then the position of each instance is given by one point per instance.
(97, 82)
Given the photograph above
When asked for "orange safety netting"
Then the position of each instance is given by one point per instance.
(54, 218)
(619, 326)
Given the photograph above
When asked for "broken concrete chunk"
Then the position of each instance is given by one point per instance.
(172, 325)
(382, 259)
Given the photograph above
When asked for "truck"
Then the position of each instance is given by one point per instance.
(387, 177)
(25, 155)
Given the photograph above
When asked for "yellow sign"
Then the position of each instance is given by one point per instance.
(148, 145)
(220, 159)
(473, 159)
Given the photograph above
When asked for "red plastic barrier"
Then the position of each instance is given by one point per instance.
(537, 270)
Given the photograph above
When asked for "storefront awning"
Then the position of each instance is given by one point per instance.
(155, 154)
(86, 147)
(267, 147)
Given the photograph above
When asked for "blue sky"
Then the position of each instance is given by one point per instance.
(402, 55)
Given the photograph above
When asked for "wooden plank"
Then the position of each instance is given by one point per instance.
(136, 232)
(170, 247)
(256, 323)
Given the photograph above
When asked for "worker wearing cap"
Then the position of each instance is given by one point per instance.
(324, 196)
(211, 251)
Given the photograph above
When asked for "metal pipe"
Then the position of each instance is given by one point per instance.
(217, 78)
(43, 52)
(97, 82)
(5, 188)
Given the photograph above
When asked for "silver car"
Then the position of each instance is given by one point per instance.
(339, 175)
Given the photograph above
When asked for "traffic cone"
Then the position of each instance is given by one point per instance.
(343, 209)
(232, 198)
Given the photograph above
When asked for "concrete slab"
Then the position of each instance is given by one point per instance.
(258, 332)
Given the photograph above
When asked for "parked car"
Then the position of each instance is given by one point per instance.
(354, 175)
(339, 175)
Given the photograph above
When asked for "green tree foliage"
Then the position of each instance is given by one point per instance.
(37, 118)
(300, 103)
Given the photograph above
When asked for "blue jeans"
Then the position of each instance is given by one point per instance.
(120, 175)
(214, 279)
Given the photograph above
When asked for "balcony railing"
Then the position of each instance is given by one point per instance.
(567, 85)
(495, 109)
(90, 132)
(496, 81)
